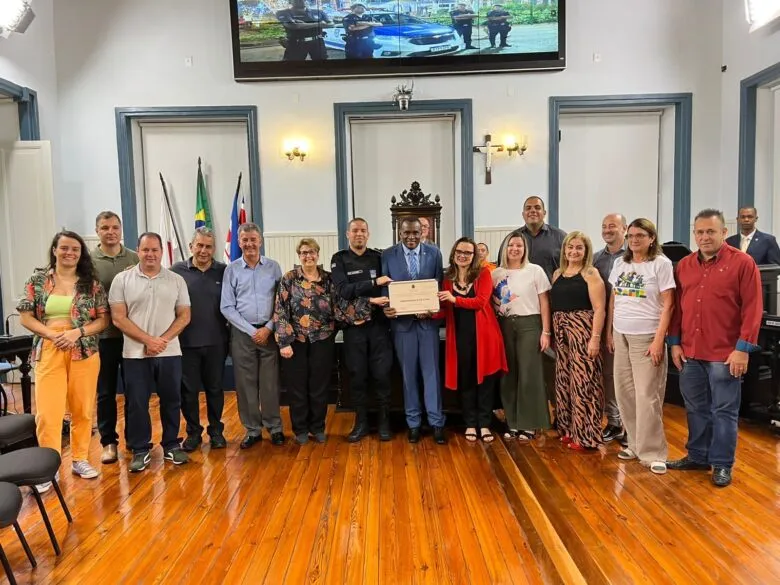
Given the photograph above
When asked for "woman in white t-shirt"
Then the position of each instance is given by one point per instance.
(640, 310)
(522, 302)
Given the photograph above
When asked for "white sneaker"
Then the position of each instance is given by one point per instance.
(42, 488)
(84, 470)
(658, 467)
(627, 454)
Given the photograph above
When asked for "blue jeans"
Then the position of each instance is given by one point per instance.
(712, 396)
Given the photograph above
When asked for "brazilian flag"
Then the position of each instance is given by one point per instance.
(202, 211)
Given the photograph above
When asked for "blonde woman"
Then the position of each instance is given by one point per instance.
(578, 299)
(304, 322)
(640, 312)
(522, 301)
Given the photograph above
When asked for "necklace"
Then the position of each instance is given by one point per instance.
(461, 287)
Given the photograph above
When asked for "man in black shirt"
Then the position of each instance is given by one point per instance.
(357, 274)
(203, 342)
(544, 240)
(498, 25)
(304, 32)
(360, 33)
(462, 22)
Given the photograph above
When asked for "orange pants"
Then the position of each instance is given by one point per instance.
(61, 381)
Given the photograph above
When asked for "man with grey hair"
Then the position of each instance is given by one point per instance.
(248, 293)
(613, 232)
(204, 341)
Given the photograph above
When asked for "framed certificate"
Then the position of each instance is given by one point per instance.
(410, 297)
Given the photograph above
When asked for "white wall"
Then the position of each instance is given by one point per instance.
(28, 60)
(132, 53)
(744, 54)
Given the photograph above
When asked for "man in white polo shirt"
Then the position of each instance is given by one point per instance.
(150, 305)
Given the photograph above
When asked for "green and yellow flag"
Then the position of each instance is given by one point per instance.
(202, 211)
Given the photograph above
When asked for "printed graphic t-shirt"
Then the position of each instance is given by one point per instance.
(516, 291)
(637, 288)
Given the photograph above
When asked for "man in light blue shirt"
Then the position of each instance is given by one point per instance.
(248, 291)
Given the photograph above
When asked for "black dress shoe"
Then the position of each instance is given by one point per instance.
(218, 442)
(385, 433)
(686, 464)
(277, 438)
(438, 435)
(250, 440)
(191, 443)
(721, 476)
(359, 431)
(414, 435)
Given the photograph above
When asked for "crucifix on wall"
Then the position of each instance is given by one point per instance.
(488, 149)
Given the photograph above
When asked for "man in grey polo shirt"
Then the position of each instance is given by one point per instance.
(248, 292)
(110, 258)
(203, 342)
(544, 240)
(613, 232)
(151, 306)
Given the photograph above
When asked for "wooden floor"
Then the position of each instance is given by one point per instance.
(397, 513)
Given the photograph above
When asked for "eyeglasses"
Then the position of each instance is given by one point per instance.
(307, 253)
(463, 253)
(637, 236)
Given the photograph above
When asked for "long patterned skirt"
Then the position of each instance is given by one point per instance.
(579, 389)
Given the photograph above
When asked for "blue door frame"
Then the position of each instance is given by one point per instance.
(683, 122)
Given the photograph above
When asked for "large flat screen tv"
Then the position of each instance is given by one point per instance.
(305, 39)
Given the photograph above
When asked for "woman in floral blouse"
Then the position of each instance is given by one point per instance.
(304, 322)
(65, 306)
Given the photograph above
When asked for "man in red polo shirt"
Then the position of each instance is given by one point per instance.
(715, 326)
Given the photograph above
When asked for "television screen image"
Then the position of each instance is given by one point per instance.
(337, 38)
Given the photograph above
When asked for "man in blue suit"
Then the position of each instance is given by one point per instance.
(761, 246)
(416, 337)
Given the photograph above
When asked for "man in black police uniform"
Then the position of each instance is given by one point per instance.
(356, 272)
(463, 23)
(498, 24)
(304, 31)
(360, 33)
(203, 342)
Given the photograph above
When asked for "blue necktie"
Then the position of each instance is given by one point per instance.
(413, 265)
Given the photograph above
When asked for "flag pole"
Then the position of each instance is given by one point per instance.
(173, 217)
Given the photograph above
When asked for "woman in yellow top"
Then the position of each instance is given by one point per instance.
(482, 250)
(66, 308)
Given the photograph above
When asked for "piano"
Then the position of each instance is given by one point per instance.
(20, 346)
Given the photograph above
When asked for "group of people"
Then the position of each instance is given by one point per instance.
(568, 336)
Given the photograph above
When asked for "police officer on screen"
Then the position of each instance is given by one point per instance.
(360, 33)
(304, 32)
(368, 349)
(463, 23)
(498, 25)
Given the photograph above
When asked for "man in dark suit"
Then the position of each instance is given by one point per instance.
(416, 337)
(762, 247)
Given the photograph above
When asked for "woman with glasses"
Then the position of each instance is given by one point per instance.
(522, 301)
(474, 348)
(304, 323)
(65, 307)
(577, 297)
(641, 308)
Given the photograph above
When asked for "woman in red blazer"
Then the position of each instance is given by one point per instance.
(471, 366)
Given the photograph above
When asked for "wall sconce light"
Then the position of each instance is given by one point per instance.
(295, 149)
(512, 145)
(403, 96)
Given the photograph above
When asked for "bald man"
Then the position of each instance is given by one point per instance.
(613, 232)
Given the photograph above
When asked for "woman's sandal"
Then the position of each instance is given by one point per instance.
(471, 437)
(511, 434)
(526, 436)
(487, 437)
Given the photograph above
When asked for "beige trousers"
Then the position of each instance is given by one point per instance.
(640, 387)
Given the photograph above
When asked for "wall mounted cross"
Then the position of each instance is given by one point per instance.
(488, 149)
